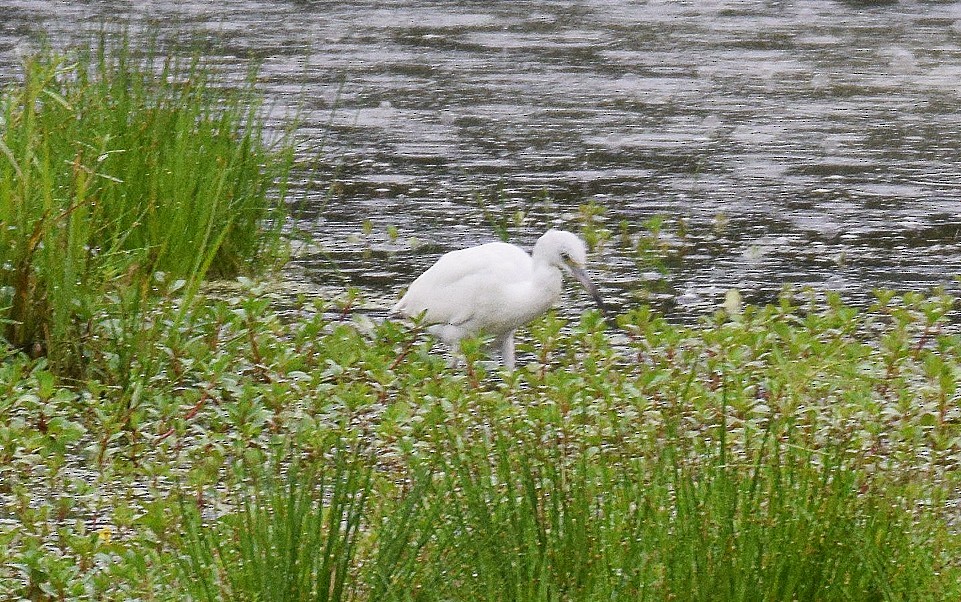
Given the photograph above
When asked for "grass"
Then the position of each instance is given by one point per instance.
(121, 174)
(550, 524)
(526, 513)
(293, 541)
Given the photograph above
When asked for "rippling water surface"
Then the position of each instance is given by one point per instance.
(807, 143)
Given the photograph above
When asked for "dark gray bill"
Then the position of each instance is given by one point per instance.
(581, 275)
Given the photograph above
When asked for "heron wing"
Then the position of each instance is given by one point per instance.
(464, 282)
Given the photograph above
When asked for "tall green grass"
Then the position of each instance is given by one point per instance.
(535, 518)
(306, 537)
(288, 542)
(525, 513)
(121, 173)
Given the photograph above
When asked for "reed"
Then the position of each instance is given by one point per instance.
(308, 536)
(288, 541)
(536, 519)
(119, 171)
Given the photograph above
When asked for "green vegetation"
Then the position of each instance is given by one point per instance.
(156, 444)
(120, 174)
(788, 453)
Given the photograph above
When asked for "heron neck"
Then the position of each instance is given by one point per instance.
(541, 256)
(548, 276)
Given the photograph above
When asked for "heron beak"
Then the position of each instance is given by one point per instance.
(580, 274)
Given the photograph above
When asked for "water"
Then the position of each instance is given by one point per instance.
(808, 143)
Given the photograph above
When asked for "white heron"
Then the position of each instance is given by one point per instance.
(494, 289)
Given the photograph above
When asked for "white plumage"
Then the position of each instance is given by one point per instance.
(494, 289)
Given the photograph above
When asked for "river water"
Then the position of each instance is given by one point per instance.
(808, 143)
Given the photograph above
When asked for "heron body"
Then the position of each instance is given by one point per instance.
(494, 289)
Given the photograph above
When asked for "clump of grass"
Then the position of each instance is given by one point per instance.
(535, 516)
(793, 525)
(293, 541)
(306, 536)
(115, 167)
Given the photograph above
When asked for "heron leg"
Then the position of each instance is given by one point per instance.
(507, 351)
(451, 336)
(455, 356)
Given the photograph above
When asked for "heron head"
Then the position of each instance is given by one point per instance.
(561, 249)
(569, 253)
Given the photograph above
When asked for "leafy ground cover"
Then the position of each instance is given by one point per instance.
(784, 453)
